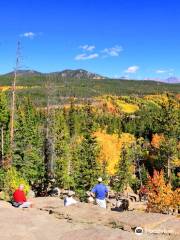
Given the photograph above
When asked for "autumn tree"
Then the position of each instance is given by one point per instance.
(160, 195)
(110, 148)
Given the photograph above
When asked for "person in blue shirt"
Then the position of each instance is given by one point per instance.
(100, 192)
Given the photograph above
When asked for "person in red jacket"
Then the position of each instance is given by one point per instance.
(19, 198)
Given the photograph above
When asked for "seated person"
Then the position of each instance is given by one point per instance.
(19, 198)
(69, 200)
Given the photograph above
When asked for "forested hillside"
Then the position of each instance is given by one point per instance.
(35, 85)
(124, 138)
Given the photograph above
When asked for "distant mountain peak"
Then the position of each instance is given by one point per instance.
(24, 73)
(79, 73)
(172, 80)
(68, 73)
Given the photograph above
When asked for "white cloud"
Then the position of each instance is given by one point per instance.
(113, 52)
(107, 52)
(161, 71)
(132, 69)
(88, 48)
(28, 35)
(85, 56)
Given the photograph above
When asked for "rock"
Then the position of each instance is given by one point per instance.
(31, 194)
(91, 200)
(4, 204)
(71, 193)
(82, 221)
(112, 194)
(126, 228)
(55, 192)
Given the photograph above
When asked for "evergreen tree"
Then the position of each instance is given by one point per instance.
(28, 156)
(72, 119)
(169, 120)
(4, 126)
(165, 155)
(64, 166)
(88, 151)
(124, 171)
(4, 110)
(88, 167)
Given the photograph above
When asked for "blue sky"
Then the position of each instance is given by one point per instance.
(135, 38)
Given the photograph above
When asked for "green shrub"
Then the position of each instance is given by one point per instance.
(135, 184)
(175, 181)
(11, 182)
(2, 174)
(81, 194)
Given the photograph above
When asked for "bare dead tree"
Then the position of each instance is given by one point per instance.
(13, 102)
(49, 141)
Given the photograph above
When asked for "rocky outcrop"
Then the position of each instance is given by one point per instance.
(49, 219)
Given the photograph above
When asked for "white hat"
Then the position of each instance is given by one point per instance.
(100, 179)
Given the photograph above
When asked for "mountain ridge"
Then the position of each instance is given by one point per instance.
(83, 74)
(67, 73)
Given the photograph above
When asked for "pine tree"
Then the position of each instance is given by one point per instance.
(170, 118)
(4, 126)
(28, 155)
(4, 110)
(72, 119)
(64, 168)
(165, 155)
(124, 170)
(88, 166)
(88, 169)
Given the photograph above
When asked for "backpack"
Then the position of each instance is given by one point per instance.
(16, 204)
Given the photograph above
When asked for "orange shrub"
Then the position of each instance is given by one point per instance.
(161, 197)
(157, 139)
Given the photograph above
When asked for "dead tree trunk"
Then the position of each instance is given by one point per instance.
(48, 143)
(169, 169)
(13, 102)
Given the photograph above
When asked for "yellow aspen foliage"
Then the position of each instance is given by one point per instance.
(176, 162)
(110, 149)
(127, 107)
(4, 88)
(115, 104)
(11, 182)
(159, 98)
(161, 197)
(157, 139)
(7, 88)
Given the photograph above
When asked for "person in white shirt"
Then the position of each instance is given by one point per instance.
(69, 200)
